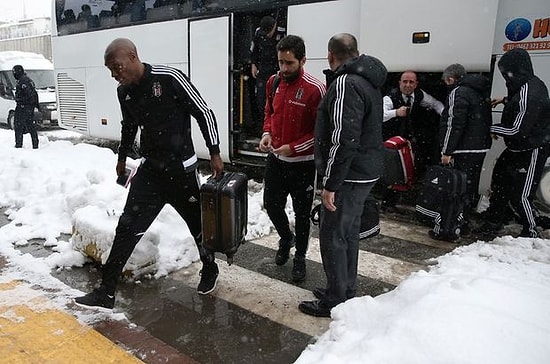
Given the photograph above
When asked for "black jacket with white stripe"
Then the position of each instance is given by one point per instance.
(525, 122)
(466, 118)
(161, 105)
(348, 130)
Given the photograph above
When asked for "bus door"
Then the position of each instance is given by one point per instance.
(247, 116)
(209, 70)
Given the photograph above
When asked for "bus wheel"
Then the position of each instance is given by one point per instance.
(11, 115)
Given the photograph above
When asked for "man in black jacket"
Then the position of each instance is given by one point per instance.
(264, 63)
(464, 135)
(349, 160)
(26, 100)
(159, 100)
(525, 127)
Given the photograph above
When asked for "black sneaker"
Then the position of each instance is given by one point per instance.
(284, 250)
(299, 269)
(451, 238)
(98, 298)
(526, 233)
(465, 230)
(209, 277)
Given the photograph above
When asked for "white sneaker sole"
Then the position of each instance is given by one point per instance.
(211, 289)
(94, 308)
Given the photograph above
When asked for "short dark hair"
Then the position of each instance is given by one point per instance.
(293, 43)
(343, 46)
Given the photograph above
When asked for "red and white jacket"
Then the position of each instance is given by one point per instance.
(292, 119)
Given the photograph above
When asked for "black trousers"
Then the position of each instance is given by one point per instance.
(515, 180)
(471, 164)
(297, 180)
(150, 190)
(23, 121)
(339, 241)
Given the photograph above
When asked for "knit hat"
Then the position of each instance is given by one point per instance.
(455, 71)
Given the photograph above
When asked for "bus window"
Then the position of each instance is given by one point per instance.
(72, 16)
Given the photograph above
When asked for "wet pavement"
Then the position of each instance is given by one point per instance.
(211, 329)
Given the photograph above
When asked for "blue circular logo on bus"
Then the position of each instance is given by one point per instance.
(518, 29)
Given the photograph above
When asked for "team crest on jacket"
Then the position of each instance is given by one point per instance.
(299, 93)
(157, 89)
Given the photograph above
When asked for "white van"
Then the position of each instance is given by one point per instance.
(40, 70)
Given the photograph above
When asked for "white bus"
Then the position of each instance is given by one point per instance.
(210, 40)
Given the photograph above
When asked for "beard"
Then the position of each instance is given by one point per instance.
(291, 77)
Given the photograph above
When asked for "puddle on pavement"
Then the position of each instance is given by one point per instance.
(208, 329)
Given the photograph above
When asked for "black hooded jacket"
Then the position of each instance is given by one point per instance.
(348, 130)
(525, 122)
(466, 120)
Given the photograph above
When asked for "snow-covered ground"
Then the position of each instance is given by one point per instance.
(483, 303)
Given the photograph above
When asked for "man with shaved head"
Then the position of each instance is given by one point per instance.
(159, 101)
(349, 161)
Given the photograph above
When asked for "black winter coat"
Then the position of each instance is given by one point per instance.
(467, 118)
(348, 130)
(525, 122)
(25, 93)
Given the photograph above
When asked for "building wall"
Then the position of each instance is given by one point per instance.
(38, 44)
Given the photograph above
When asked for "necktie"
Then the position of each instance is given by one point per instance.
(408, 102)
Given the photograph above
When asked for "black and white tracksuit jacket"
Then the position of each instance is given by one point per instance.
(161, 105)
(466, 118)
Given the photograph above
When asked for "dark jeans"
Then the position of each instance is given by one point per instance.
(515, 180)
(297, 180)
(339, 241)
(23, 122)
(150, 190)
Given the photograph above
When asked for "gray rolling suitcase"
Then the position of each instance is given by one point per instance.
(224, 210)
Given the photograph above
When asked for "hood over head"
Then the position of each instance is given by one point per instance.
(18, 71)
(516, 68)
(368, 67)
(478, 82)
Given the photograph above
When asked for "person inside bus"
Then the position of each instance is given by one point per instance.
(289, 124)
(464, 136)
(68, 17)
(406, 110)
(264, 64)
(525, 128)
(159, 101)
(86, 16)
(349, 160)
(26, 100)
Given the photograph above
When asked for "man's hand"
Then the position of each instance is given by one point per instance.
(327, 197)
(216, 164)
(495, 102)
(283, 150)
(120, 168)
(402, 111)
(254, 70)
(446, 159)
(265, 143)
